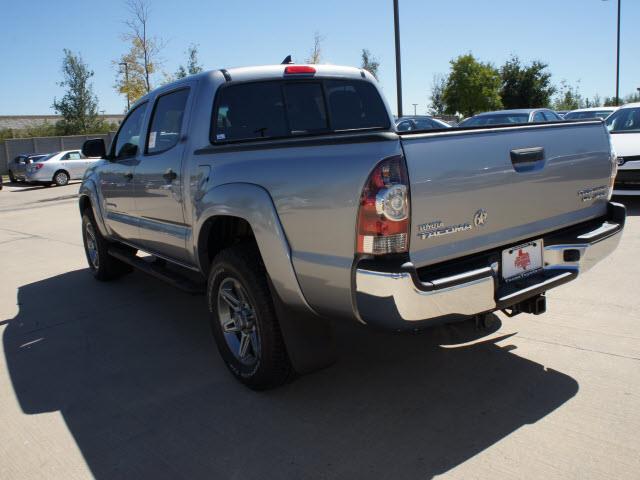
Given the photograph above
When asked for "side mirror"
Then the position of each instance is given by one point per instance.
(94, 148)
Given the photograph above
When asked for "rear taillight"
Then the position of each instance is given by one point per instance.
(37, 166)
(383, 217)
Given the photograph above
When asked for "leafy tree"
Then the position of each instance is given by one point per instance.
(525, 86)
(315, 56)
(438, 85)
(370, 63)
(130, 81)
(472, 87)
(193, 65)
(79, 106)
(143, 58)
(611, 101)
(569, 97)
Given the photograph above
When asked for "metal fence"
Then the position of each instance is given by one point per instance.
(15, 146)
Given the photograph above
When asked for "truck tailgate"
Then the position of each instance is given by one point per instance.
(473, 190)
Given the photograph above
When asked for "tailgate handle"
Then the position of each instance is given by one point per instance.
(527, 155)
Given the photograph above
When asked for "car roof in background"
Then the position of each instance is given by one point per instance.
(512, 112)
(593, 109)
(631, 105)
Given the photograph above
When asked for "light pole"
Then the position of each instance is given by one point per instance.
(396, 25)
(618, 56)
(126, 81)
(414, 109)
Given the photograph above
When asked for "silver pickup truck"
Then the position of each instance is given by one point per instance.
(284, 194)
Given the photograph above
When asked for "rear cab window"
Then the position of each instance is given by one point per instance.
(289, 108)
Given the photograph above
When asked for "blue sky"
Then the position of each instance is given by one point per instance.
(576, 38)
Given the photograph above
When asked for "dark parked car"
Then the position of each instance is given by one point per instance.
(419, 122)
(18, 166)
(507, 117)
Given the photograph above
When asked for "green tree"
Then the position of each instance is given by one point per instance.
(193, 65)
(438, 85)
(472, 87)
(370, 63)
(569, 97)
(79, 106)
(525, 86)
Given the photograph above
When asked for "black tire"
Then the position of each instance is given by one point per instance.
(104, 267)
(12, 177)
(270, 367)
(61, 178)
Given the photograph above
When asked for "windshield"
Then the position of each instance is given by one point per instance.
(497, 119)
(624, 120)
(590, 114)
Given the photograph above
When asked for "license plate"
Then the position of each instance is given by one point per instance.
(522, 260)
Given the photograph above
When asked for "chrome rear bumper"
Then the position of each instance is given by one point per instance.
(396, 298)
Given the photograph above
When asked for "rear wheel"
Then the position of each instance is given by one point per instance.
(102, 265)
(244, 321)
(61, 178)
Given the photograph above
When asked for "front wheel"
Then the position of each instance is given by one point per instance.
(61, 178)
(244, 321)
(12, 177)
(102, 265)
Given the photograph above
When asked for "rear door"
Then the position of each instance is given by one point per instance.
(475, 190)
(74, 164)
(159, 179)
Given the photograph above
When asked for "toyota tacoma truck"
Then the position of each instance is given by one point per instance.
(285, 195)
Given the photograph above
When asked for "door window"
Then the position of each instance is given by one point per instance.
(128, 139)
(72, 156)
(538, 117)
(166, 121)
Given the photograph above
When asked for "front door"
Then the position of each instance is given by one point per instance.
(116, 177)
(159, 180)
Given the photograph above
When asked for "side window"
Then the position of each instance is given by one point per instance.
(550, 116)
(355, 105)
(404, 126)
(64, 157)
(166, 121)
(128, 139)
(538, 117)
(305, 107)
(250, 111)
(73, 156)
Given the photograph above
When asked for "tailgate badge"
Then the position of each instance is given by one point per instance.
(438, 229)
(480, 217)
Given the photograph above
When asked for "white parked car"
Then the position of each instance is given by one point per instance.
(588, 113)
(59, 167)
(624, 126)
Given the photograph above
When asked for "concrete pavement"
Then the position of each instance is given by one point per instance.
(122, 380)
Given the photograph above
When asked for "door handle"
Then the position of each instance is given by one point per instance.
(170, 175)
(526, 155)
(128, 176)
(528, 159)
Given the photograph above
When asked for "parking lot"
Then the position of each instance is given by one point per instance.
(122, 380)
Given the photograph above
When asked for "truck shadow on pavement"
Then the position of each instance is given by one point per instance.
(133, 370)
